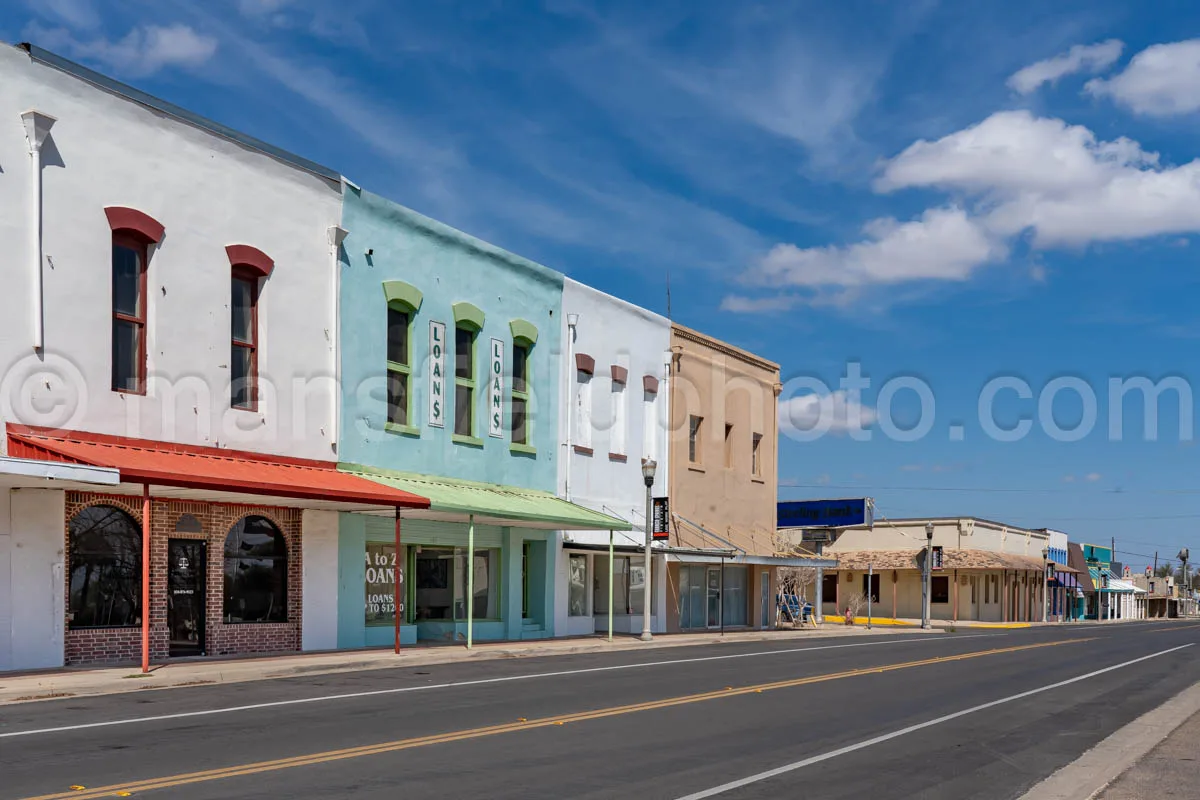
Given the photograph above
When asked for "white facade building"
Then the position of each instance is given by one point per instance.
(614, 414)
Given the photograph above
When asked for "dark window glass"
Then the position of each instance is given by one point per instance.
(106, 568)
(520, 368)
(397, 397)
(241, 372)
(464, 398)
(829, 587)
(127, 280)
(874, 587)
(520, 431)
(939, 590)
(126, 348)
(397, 343)
(255, 572)
(243, 310)
(464, 353)
(434, 585)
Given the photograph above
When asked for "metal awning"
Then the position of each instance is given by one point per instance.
(455, 500)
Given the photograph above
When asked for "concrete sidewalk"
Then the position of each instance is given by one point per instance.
(52, 684)
(1169, 770)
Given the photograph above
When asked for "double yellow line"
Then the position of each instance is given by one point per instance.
(125, 789)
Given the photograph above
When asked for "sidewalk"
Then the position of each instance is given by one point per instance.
(1169, 770)
(76, 682)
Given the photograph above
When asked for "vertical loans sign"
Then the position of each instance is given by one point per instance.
(496, 391)
(437, 374)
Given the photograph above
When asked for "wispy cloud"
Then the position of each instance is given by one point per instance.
(143, 51)
(1090, 58)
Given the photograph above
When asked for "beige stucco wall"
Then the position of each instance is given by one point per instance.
(950, 534)
(723, 385)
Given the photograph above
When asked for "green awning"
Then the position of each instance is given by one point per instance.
(490, 503)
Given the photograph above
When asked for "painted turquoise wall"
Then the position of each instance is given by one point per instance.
(448, 267)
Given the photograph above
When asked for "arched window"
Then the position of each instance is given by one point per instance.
(106, 568)
(255, 572)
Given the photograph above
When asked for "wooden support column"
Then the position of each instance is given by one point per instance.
(146, 551)
(956, 595)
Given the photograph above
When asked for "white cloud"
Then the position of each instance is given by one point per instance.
(832, 413)
(1090, 58)
(143, 51)
(1162, 80)
(752, 305)
(943, 244)
(1092, 477)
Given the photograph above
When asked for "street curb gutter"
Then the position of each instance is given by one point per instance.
(1092, 772)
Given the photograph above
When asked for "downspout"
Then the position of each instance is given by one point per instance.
(337, 235)
(37, 127)
(572, 321)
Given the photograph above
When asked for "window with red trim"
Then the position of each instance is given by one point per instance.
(243, 360)
(128, 313)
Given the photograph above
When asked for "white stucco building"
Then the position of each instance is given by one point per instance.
(614, 410)
(170, 301)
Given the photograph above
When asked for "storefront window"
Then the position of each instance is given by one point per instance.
(939, 588)
(628, 585)
(255, 572)
(106, 568)
(380, 584)
(736, 599)
(577, 586)
(442, 582)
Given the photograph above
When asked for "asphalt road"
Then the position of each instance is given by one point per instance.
(885, 717)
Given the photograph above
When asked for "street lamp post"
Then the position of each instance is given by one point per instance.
(648, 468)
(927, 578)
(1045, 584)
(1185, 593)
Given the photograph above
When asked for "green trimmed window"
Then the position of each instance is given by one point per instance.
(519, 417)
(464, 381)
(399, 363)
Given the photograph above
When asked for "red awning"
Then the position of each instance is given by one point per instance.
(208, 468)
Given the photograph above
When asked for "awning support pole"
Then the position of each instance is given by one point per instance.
(470, 581)
(721, 609)
(398, 571)
(611, 569)
(146, 549)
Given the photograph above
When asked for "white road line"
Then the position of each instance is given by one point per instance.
(478, 682)
(841, 751)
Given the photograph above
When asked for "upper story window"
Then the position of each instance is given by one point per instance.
(728, 446)
(649, 417)
(403, 302)
(468, 322)
(756, 455)
(694, 425)
(129, 256)
(617, 433)
(250, 266)
(524, 336)
(585, 368)
(243, 359)
(133, 232)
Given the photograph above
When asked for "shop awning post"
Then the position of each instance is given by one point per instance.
(146, 549)
(611, 569)
(397, 571)
(470, 580)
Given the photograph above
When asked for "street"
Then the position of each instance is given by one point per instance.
(660, 724)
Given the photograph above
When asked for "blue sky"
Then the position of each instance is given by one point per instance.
(947, 191)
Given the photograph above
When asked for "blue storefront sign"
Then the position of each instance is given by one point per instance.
(824, 513)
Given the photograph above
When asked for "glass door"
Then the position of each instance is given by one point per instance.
(714, 597)
(185, 597)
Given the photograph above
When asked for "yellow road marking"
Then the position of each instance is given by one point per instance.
(1170, 627)
(493, 730)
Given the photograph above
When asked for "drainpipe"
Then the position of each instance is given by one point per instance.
(37, 127)
(572, 321)
(337, 235)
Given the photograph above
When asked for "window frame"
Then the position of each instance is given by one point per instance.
(284, 555)
(520, 345)
(756, 455)
(729, 455)
(248, 274)
(73, 553)
(695, 451)
(400, 368)
(470, 383)
(132, 241)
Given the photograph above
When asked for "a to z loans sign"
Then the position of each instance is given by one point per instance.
(496, 391)
(437, 374)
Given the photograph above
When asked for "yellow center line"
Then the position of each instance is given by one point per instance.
(1169, 627)
(511, 727)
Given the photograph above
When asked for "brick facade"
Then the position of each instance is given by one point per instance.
(123, 645)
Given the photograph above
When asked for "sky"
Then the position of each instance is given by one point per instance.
(988, 210)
